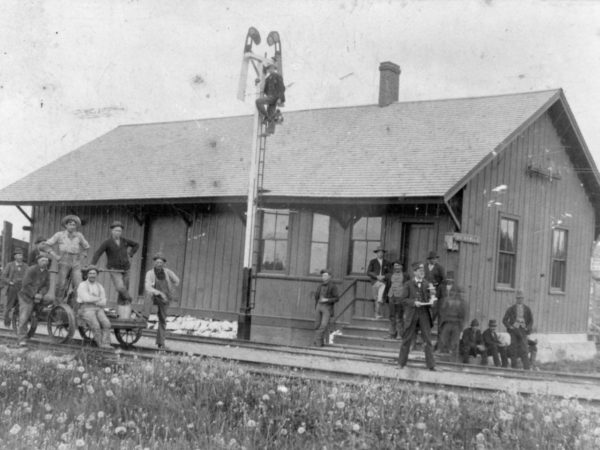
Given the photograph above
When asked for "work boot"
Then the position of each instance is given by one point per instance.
(105, 339)
(378, 310)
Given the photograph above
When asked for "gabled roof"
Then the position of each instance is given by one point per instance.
(409, 149)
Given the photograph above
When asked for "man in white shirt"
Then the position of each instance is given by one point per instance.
(91, 298)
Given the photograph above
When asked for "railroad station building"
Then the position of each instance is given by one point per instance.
(503, 187)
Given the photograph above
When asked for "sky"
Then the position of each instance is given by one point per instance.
(72, 71)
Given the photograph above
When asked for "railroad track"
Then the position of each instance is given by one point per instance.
(333, 364)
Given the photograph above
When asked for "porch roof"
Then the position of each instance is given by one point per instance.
(408, 149)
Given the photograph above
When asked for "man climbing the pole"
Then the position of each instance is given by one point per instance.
(273, 96)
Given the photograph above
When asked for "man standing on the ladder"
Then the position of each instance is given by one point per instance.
(273, 93)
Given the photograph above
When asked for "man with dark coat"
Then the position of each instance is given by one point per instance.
(118, 251)
(35, 285)
(12, 277)
(395, 294)
(379, 271)
(493, 346)
(518, 321)
(325, 297)
(471, 342)
(436, 275)
(417, 316)
(452, 316)
(273, 93)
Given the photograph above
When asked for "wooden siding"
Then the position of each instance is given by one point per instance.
(537, 202)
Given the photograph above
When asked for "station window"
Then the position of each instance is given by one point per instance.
(319, 243)
(274, 240)
(366, 236)
(559, 260)
(507, 252)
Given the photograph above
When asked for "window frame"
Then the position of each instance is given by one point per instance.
(350, 268)
(261, 243)
(515, 254)
(553, 289)
(312, 241)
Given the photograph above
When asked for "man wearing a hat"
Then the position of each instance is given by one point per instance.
(36, 249)
(436, 275)
(91, 298)
(118, 251)
(494, 346)
(417, 316)
(69, 248)
(325, 297)
(471, 343)
(273, 93)
(12, 277)
(160, 284)
(379, 271)
(35, 285)
(451, 319)
(518, 321)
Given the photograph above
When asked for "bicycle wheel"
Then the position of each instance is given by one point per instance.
(61, 323)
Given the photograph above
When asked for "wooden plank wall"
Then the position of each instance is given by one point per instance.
(535, 202)
(96, 229)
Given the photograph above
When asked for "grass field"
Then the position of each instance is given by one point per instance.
(81, 401)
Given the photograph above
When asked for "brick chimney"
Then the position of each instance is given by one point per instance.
(389, 83)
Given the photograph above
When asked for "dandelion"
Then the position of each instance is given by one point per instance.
(480, 437)
(100, 414)
(420, 426)
(281, 388)
(39, 385)
(115, 380)
(301, 430)
(90, 389)
(107, 370)
(62, 446)
(120, 430)
(229, 374)
(109, 393)
(547, 419)
(190, 426)
(15, 429)
(76, 380)
(7, 412)
(355, 427)
(265, 398)
(85, 376)
(338, 424)
(284, 432)
(529, 416)
(219, 404)
(340, 405)
(62, 417)
(80, 369)
(88, 426)
(79, 443)
(48, 417)
(251, 423)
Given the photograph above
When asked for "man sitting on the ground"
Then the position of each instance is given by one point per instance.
(493, 346)
(471, 342)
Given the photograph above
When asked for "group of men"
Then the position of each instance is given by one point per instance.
(27, 285)
(416, 302)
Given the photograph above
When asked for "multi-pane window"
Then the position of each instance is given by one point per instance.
(274, 240)
(507, 252)
(319, 243)
(559, 260)
(366, 236)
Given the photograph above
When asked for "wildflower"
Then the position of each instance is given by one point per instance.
(39, 385)
(7, 412)
(233, 443)
(62, 417)
(229, 374)
(219, 404)
(301, 430)
(480, 437)
(76, 380)
(338, 424)
(251, 423)
(340, 405)
(100, 414)
(190, 426)
(62, 446)
(109, 393)
(48, 417)
(79, 443)
(21, 389)
(120, 430)
(529, 416)
(48, 407)
(558, 415)
(355, 427)
(420, 426)
(547, 419)
(85, 376)
(281, 388)
(81, 369)
(3, 384)
(115, 380)
(107, 370)
(88, 426)
(265, 398)
(90, 389)
(284, 432)
(15, 429)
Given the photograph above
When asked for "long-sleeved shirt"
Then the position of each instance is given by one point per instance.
(36, 281)
(150, 282)
(116, 254)
(72, 244)
(91, 293)
(14, 273)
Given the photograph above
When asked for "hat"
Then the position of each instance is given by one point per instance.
(42, 255)
(492, 323)
(159, 255)
(326, 271)
(116, 224)
(92, 267)
(519, 294)
(70, 218)
(432, 255)
(417, 265)
(380, 249)
(17, 251)
(474, 323)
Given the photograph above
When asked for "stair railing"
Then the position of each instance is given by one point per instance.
(352, 286)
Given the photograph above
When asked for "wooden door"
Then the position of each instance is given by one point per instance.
(418, 240)
(168, 234)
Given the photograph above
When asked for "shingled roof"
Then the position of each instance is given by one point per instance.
(409, 149)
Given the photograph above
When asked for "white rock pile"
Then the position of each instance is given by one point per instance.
(194, 326)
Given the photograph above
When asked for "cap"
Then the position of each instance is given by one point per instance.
(116, 224)
(432, 255)
(159, 255)
(327, 270)
(380, 249)
(474, 323)
(417, 265)
(492, 323)
(17, 251)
